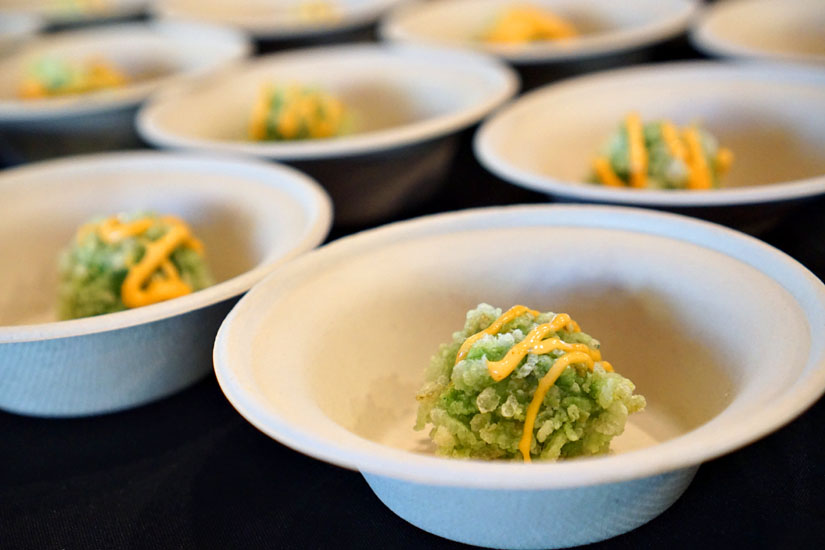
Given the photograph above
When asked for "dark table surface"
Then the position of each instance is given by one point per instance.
(189, 472)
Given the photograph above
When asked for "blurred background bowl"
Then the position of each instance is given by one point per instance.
(408, 105)
(251, 217)
(16, 28)
(153, 55)
(719, 331)
(771, 117)
(75, 13)
(280, 24)
(611, 33)
(781, 30)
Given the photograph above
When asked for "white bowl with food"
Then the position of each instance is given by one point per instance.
(78, 12)
(77, 91)
(403, 108)
(720, 333)
(16, 28)
(780, 30)
(770, 119)
(249, 217)
(280, 19)
(552, 38)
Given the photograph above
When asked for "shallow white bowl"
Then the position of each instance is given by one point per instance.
(772, 117)
(279, 19)
(605, 26)
(155, 54)
(721, 333)
(63, 12)
(251, 217)
(408, 104)
(16, 28)
(784, 30)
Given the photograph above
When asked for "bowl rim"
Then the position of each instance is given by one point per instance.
(27, 24)
(486, 154)
(153, 131)
(703, 37)
(57, 108)
(680, 452)
(616, 41)
(268, 30)
(319, 220)
(113, 12)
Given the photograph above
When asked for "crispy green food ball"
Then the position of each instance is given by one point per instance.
(470, 415)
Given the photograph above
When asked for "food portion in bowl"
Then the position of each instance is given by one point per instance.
(521, 24)
(659, 155)
(523, 383)
(129, 261)
(51, 76)
(296, 112)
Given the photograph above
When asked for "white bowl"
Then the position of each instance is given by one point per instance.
(279, 19)
(611, 33)
(772, 117)
(251, 217)
(63, 12)
(408, 103)
(156, 54)
(783, 30)
(721, 333)
(16, 28)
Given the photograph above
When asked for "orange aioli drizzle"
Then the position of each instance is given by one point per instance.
(137, 289)
(723, 160)
(638, 152)
(674, 143)
(699, 171)
(499, 370)
(494, 328)
(605, 173)
(535, 344)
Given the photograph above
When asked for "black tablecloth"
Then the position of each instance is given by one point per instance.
(189, 472)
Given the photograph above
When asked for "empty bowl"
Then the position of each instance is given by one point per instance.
(771, 117)
(610, 33)
(721, 332)
(783, 30)
(408, 106)
(150, 55)
(250, 216)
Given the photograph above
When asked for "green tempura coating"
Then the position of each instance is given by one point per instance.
(92, 271)
(664, 171)
(473, 416)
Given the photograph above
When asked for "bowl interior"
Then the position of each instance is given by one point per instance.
(772, 28)
(686, 323)
(466, 21)
(243, 217)
(144, 53)
(384, 88)
(556, 132)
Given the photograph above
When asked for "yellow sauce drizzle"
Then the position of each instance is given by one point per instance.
(674, 143)
(141, 287)
(699, 171)
(723, 160)
(505, 318)
(535, 344)
(521, 24)
(638, 151)
(685, 146)
(605, 173)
